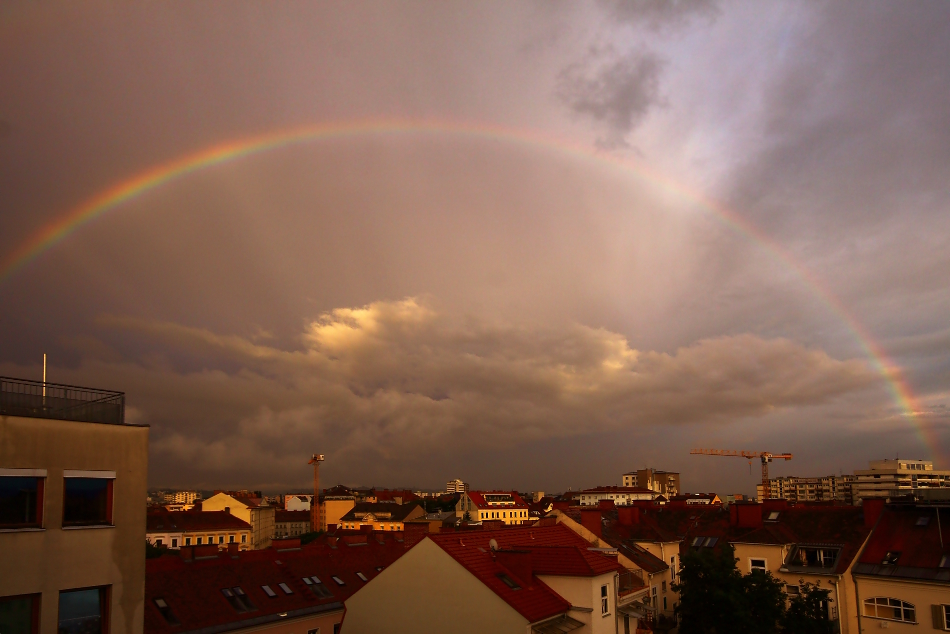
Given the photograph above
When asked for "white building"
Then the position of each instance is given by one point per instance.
(456, 486)
(298, 502)
(621, 496)
(893, 478)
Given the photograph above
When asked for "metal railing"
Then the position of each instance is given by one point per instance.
(36, 399)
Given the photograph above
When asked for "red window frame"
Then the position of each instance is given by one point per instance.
(34, 609)
(40, 504)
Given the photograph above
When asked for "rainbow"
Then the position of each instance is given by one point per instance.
(98, 205)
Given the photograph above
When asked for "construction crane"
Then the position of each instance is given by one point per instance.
(315, 503)
(765, 456)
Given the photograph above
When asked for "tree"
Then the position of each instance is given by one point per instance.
(808, 612)
(715, 598)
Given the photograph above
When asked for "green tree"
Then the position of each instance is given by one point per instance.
(808, 612)
(715, 598)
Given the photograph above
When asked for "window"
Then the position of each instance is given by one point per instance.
(174, 542)
(664, 586)
(238, 600)
(339, 581)
(317, 586)
(813, 557)
(697, 542)
(792, 590)
(757, 564)
(187, 541)
(285, 588)
(773, 516)
(890, 609)
(923, 520)
(244, 538)
(710, 542)
(83, 611)
(87, 498)
(508, 581)
(673, 567)
(891, 557)
(362, 576)
(198, 540)
(166, 612)
(230, 539)
(605, 601)
(267, 590)
(316, 631)
(664, 603)
(21, 498)
(941, 615)
(220, 539)
(158, 542)
(20, 614)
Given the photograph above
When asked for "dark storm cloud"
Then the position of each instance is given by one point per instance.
(615, 90)
(5, 129)
(395, 381)
(660, 14)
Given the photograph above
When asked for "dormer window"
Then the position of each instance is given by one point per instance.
(891, 557)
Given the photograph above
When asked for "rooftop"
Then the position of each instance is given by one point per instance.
(36, 399)
(906, 543)
(193, 521)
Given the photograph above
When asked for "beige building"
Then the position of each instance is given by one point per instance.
(895, 478)
(381, 516)
(507, 506)
(73, 485)
(456, 486)
(666, 483)
(291, 523)
(822, 489)
(621, 496)
(178, 529)
(334, 507)
(182, 497)
(254, 511)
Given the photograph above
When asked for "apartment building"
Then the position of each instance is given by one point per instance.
(291, 523)
(539, 580)
(253, 510)
(297, 502)
(177, 529)
(456, 486)
(895, 478)
(507, 506)
(333, 508)
(821, 489)
(182, 497)
(666, 483)
(903, 574)
(73, 479)
(618, 495)
(381, 516)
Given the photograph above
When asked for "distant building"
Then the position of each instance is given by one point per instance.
(821, 489)
(182, 497)
(895, 478)
(175, 530)
(620, 496)
(252, 510)
(507, 506)
(381, 516)
(666, 483)
(297, 502)
(456, 486)
(73, 478)
(333, 508)
(291, 523)
(690, 499)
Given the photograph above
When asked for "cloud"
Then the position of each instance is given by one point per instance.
(615, 90)
(660, 14)
(394, 381)
(5, 129)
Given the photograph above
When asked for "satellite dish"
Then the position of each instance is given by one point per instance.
(493, 544)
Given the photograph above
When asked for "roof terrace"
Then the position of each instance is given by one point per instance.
(36, 399)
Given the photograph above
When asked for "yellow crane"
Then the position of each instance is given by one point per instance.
(765, 456)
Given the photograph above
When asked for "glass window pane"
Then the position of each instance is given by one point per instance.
(18, 501)
(80, 612)
(86, 501)
(16, 615)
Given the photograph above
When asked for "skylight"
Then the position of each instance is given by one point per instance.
(362, 576)
(773, 516)
(267, 590)
(238, 599)
(511, 583)
(166, 612)
(697, 542)
(891, 557)
(945, 561)
(923, 520)
(339, 581)
(285, 588)
(710, 542)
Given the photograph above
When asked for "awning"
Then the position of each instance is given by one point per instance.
(557, 625)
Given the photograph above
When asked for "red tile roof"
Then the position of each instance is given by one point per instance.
(554, 550)
(192, 589)
(618, 489)
(478, 499)
(914, 533)
(186, 521)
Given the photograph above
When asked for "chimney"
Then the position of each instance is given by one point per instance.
(606, 505)
(590, 519)
(775, 504)
(205, 551)
(234, 549)
(518, 563)
(628, 515)
(286, 543)
(873, 507)
(561, 505)
(493, 525)
(187, 553)
(745, 515)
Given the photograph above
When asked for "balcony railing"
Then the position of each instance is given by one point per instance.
(36, 399)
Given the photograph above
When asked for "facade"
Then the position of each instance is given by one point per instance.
(381, 516)
(333, 508)
(507, 506)
(177, 529)
(286, 589)
(822, 489)
(456, 486)
(73, 481)
(895, 478)
(297, 502)
(291, 523)
(534, 580)
(666, 483)
(618, 495)
(691, 499)
(182, 497)
(252, 510)
(903, 574)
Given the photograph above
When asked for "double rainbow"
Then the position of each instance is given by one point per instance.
(137, 185)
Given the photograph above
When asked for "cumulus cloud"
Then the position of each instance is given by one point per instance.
(395, 380)
(614, 90)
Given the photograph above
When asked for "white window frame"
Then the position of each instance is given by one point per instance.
(864, 603)
(765, 564)
(604, 601)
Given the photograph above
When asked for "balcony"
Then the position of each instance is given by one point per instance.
(35, 399)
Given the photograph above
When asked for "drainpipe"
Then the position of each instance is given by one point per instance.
(838, 599)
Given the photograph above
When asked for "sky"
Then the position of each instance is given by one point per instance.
(534, 245)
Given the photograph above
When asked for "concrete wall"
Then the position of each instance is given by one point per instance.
(426, 590)
(53, 559)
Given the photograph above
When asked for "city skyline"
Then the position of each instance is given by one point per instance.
(483, 242)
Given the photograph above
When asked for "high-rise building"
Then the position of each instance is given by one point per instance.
(820, 489)
(666, 483)
(73, 475)
(894, 478)
(456, 486)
